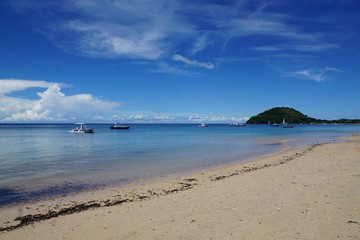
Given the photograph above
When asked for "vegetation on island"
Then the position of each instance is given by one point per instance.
(277, 114)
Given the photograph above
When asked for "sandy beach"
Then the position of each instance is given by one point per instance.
(309, 193)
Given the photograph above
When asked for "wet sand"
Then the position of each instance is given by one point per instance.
(310, 193)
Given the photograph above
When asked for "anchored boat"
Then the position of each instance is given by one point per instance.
(116, 126)
(81, 128)
(286, 125)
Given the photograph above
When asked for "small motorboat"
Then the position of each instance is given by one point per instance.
(274, 124)
(203, 125)
(116, 126)
(81, 128)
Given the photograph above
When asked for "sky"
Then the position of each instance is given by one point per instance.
(177, 61)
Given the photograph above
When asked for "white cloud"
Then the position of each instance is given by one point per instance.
(52, 104)
(318, 75)
(13, 85)
(104, 40)
(113, 29)
(174, 118)
(144, 118)
(155, 30)
(215, 119)
(152, 29)
(179, 58)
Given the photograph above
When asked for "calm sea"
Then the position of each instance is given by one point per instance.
(43, 160)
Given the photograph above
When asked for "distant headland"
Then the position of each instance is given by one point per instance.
(277, 114)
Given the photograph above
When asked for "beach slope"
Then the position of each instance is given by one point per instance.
(312, 193)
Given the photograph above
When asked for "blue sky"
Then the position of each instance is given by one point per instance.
(167, 61)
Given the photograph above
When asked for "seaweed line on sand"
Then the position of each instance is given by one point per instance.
(184, 185)
(267, 165)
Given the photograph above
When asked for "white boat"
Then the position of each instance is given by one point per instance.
(286, 125)
(203, 125)
(81, 128)
(274, 124)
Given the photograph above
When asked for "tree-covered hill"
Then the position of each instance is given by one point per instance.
(277, 114)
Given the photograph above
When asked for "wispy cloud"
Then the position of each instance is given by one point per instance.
(111, 29)
(296, 47)
(201, 43)
(52, 104)
(318, 75)
(163, 67)
(105, 40)
(179, 58)
(270, 25)
(267, 48)
(156, 30)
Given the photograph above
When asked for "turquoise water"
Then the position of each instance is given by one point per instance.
(38, 160)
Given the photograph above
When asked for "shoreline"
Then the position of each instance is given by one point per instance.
(37, 189)
(70, 189)
(18, 218)
(98, 198)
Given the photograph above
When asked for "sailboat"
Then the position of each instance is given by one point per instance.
(286, 125)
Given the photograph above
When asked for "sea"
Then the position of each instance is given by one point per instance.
(39, 161)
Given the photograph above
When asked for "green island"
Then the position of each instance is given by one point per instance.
(277, 114)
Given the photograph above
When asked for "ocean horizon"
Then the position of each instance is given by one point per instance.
(40, 160)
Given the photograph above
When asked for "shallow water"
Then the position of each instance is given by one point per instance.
(38, 160)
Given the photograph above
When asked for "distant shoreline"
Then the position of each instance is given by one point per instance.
(351, 122)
